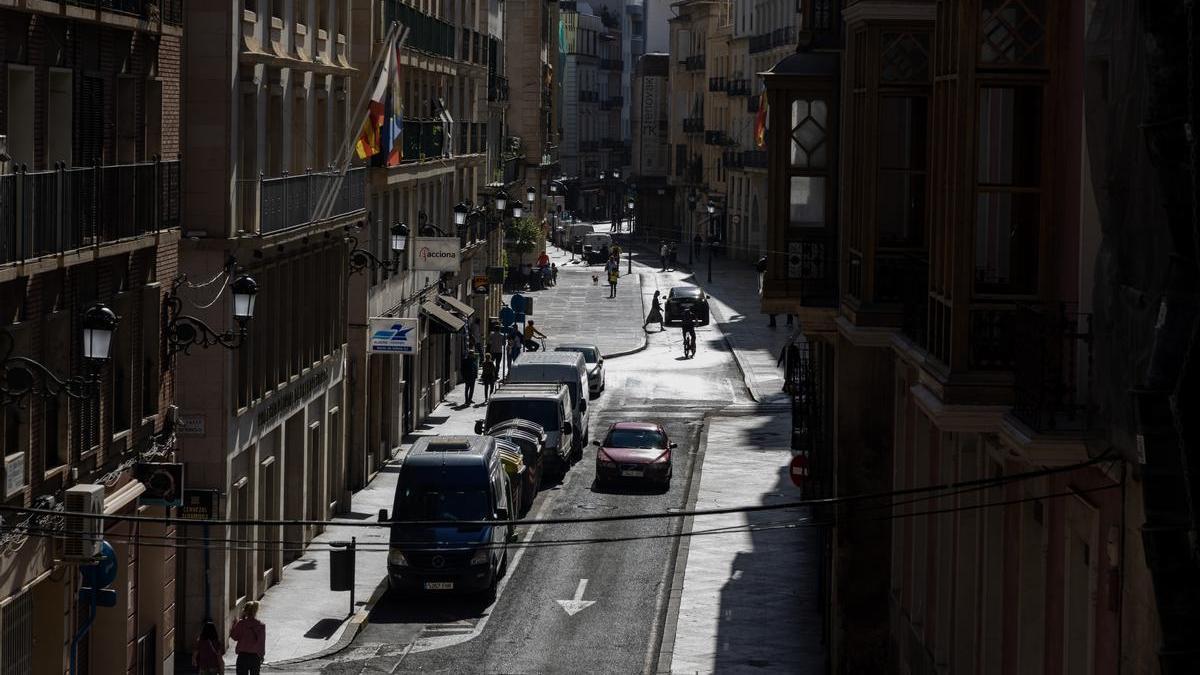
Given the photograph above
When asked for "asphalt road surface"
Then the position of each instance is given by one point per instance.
(594, 607)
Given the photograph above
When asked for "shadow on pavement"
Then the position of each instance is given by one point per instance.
(416, 608)
(322, 629)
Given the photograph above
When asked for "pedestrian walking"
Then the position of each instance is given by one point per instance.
(208, 654)
(663, 252)
(470, 372)
(613, 276)
(514, 348)
(250, 638)
(655, 315)
(495, 346)
(554, 274)
(491, 372)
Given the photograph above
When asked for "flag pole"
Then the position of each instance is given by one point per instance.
(395, 36)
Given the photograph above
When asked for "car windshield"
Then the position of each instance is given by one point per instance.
(447, 503)
(589, 354)
(543, 412)
(685, 292)
(635, 438)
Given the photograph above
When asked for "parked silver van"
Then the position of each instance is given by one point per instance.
(546, 404)
(567, 368)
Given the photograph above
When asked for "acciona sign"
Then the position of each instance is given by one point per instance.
(438, 254)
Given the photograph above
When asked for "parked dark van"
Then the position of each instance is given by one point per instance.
(449, 478)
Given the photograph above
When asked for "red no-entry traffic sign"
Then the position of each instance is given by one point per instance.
(799, 470)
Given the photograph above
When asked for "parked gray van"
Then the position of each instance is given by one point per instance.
(547, 404)
(567, 368)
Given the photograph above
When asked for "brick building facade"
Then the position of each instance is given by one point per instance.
(89, 212)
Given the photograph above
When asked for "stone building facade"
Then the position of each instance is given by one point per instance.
(89, 213)
(935, 227)
(268, 98)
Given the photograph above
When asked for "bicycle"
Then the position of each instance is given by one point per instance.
(689, 345)
(534, 345)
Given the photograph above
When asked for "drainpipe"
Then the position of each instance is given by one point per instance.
(79, 634)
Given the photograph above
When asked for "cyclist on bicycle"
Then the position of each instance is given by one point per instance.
(687, 323)
(530, 334)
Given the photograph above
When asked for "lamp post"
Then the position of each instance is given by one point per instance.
(21, 376)
(361, 259)
(691, 202)
(712, 210)
(185, 331)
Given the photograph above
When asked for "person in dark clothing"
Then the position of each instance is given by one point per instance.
(490, 375)
(687, 324)
(470, 372)
(655, 315)
(208, 655)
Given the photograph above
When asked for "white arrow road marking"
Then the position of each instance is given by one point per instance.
(578, 604)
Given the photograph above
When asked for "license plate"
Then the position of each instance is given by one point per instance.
(439, 585)
(631, 473)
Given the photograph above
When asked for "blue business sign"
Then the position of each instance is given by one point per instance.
(394, 336)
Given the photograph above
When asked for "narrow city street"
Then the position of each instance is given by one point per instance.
(604, 594)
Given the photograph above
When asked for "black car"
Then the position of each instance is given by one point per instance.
(684, 297)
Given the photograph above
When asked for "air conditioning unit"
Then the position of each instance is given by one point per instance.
(82, 535)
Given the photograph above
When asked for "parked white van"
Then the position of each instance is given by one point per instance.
(566, 368)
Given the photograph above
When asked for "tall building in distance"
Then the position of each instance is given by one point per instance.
(90, 210)
(651, 147)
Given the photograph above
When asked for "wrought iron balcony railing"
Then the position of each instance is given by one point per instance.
(716, 84)
(1053, 374)
(754, 159)
(693, 125)
(497, 88)
(424, 140)
(48, 212)
(472, 137)
(694, 62)
(428, 34)
(291, 201)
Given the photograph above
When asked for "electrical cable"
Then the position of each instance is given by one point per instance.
(236, 544)
(823, 501)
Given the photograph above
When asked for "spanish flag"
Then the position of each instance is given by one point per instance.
(760, 122)
(369, 138)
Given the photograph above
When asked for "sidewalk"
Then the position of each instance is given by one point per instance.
(746, 600)
(576, 310)
(734, 302)
(306, 620)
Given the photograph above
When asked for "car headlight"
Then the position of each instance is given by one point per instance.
(397, 558)
(481, 557)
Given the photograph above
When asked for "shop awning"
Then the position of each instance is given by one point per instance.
(441, 316)
(458, 306)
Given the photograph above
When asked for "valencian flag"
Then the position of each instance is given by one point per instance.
(760, 122)
(393, 125)
(370, 139)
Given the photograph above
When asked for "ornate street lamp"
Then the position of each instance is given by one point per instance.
(517, 211)
(460, 213)
(185, 331)
(22, 376)
(530, 195)
(361, 258)
(501, 200)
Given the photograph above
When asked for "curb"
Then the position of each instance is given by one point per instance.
(645, 337)
(670, 621)
(355, 624)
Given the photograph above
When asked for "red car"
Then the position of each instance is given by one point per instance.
(634, 450)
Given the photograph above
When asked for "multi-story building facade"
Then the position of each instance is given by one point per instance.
(89, 213)
(651, 147)
(929, 223)
(268, 88)
(445, 65)
(693, 171)
(535, 76)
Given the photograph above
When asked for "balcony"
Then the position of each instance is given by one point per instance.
(693, 125)
(732, 159)
(49, 212)
(716, 84)
(754, 159)
(760, 43)
(423, 140)
(990, 342)
(512, 169)
(903, 279)
(171, 11)
(737, 87)
(429, 35)
(694, 62)
(288, 202)
(497, 89)
(1053, 374)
